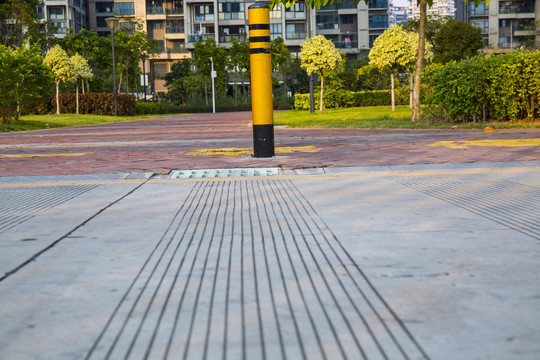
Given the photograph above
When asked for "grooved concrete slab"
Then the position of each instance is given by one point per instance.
(438, 264)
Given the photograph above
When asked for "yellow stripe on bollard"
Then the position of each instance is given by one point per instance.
(261, 80)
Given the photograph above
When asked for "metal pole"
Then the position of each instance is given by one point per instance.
(261, 80)
(115, 90)
(144, 78)
(213, 75)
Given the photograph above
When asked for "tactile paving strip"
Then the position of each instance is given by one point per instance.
(248, 270)
(19, 204)
(514, 205)
(223, 173)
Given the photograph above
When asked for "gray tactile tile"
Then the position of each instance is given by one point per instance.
(248, 270)
(514, 205)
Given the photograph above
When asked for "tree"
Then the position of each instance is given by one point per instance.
(95, 49)
(239, 62)
(58, 61)
(25, 79)
(203, 52)
(280, 58)
(320, 56)
(81, 72)
(456, 40)
(394, 50)
(421, 31)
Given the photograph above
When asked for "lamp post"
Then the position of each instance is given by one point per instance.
(111, 23)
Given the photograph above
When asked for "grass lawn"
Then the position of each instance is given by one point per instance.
(38, 122)
(376, 117)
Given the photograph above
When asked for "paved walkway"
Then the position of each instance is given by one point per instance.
(436, 261)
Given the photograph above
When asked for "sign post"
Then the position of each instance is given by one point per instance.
(261, 80)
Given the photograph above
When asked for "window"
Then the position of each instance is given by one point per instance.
(378, 21)
(378, 4)
(372, 39)
(154, 7)
(126, 8)
(327, 20)
(56, 13)
(275, 31)
(483, 25)
(347, 19)
(174, 7)
(295, 31)
(204, 13)
(175, 26)
(104, 7)
(160, 70)
(100, 21)
(40, 13)
(231, 11)
(276, 13)
(296, 11)
(156, 25)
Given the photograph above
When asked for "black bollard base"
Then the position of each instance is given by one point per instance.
(263, 141)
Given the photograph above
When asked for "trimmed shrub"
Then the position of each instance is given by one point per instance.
(91, 103)
(343, 98)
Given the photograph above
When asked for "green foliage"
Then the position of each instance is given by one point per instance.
(202, 55)
(58, 61)
(151, 108)
(25, 80)
(344, 98)
(456, 40)
(319, 55)
(90, 103)
(504, 87)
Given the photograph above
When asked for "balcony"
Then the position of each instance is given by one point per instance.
(61, 26)
(174, 11)
(174, 30)
(511, 7)
(155, 10)
(200, 38)
(225, 38)
(378, 24)
(295, 35)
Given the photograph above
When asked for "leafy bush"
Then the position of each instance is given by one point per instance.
(89, 103)
(343, 98)
(503, 87)
(151, 108)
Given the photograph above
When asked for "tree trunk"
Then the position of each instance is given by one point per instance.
(411, 92)
(393, 93)
(419, 61)
(57, 97)
(322, 87)
(77, 98)
(120, 82)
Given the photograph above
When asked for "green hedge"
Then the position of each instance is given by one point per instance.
(89, 103)
(343, 98)
(503, 87)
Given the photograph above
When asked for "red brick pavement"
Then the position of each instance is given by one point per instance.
(162, 144)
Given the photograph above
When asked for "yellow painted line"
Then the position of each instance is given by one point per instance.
(497, 143)
(41, 155)
(249, 151)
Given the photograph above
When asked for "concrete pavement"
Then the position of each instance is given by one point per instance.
(386, 262)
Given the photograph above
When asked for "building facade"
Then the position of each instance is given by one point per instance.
(178, 24)
(506, 24)
(64, 14)
(439, 7)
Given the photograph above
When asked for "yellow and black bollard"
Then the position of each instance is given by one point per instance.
(261, 80)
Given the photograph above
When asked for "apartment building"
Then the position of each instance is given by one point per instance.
(64, 14)
(439, 7)
(178, 24)
(506, 24)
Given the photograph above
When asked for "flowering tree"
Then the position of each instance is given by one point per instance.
(320, 56)
(396, 49)
(58, 61)
(81, 71)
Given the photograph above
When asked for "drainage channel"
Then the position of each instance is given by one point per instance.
(224, 173)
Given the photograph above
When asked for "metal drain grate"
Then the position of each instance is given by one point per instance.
(223, 173)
